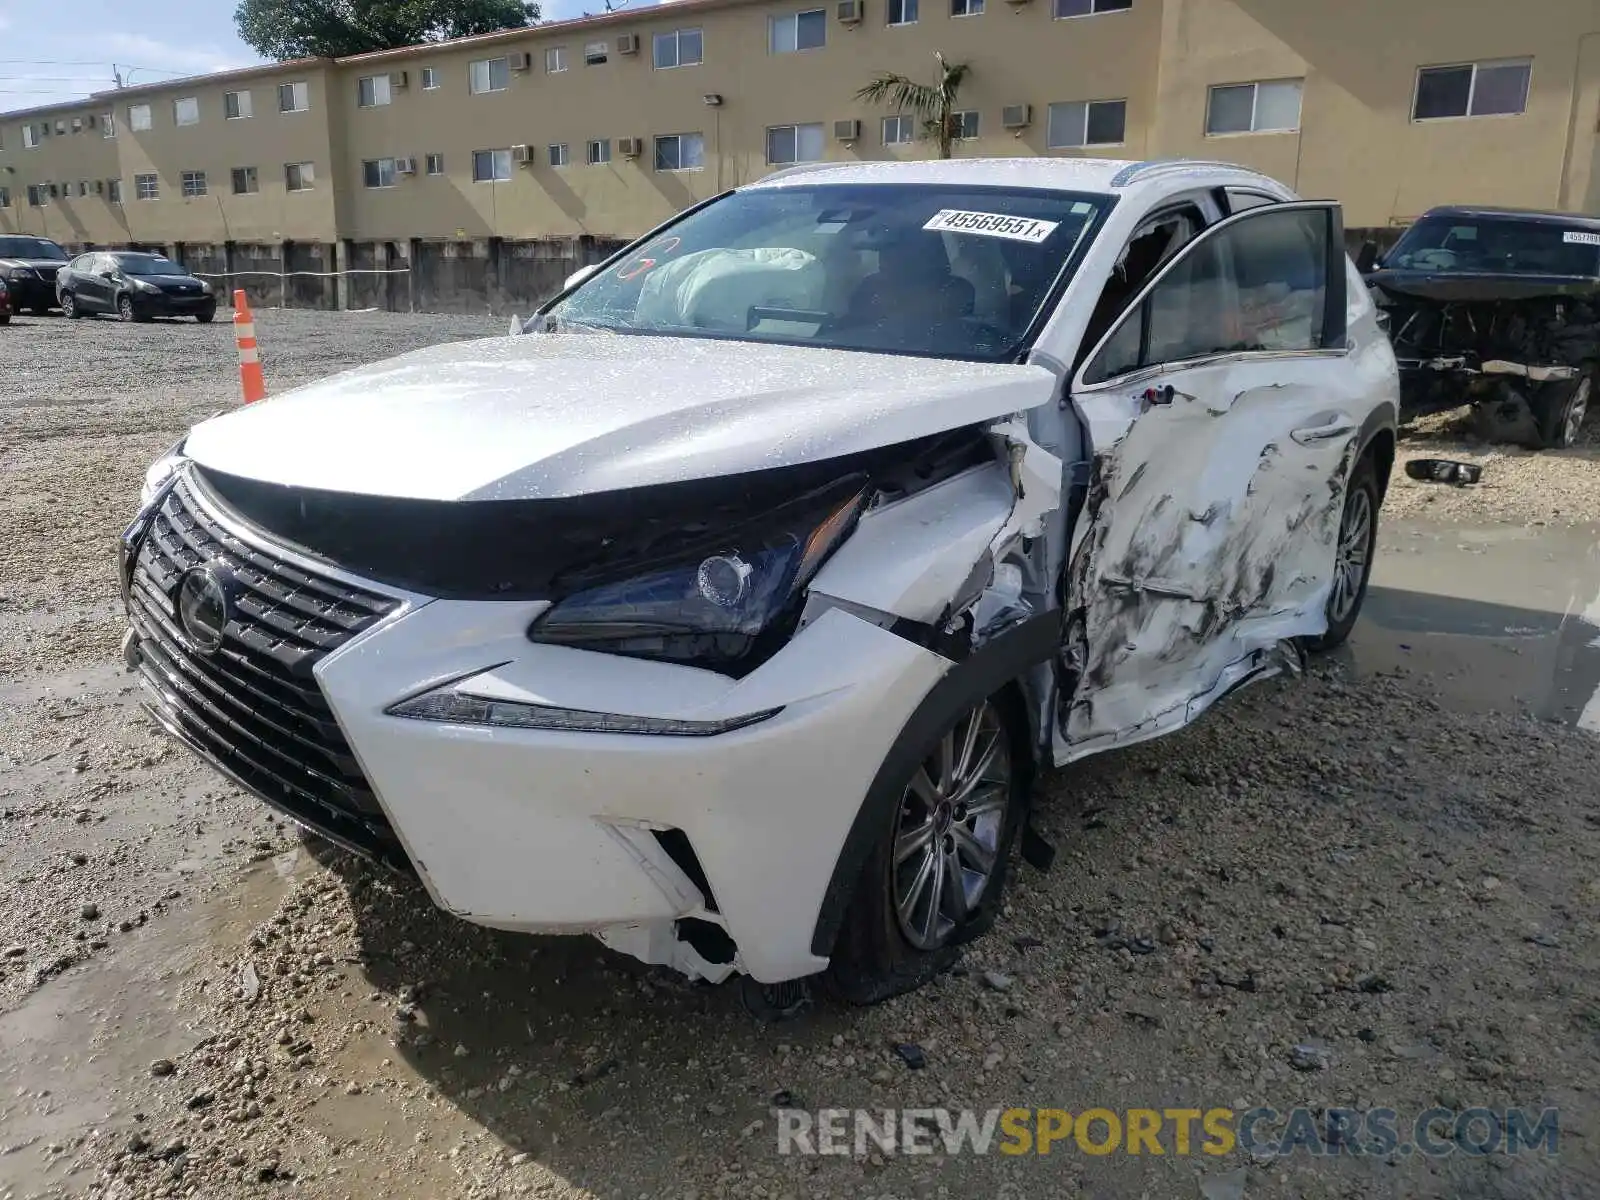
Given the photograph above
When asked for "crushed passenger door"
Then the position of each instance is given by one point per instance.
(1223, 411)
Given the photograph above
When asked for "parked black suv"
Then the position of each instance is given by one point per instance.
(28, 265)
(134, 286)
(1497, 308)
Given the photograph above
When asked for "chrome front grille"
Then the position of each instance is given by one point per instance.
(253, 708)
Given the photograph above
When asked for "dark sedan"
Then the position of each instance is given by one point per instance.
(134, 286)
(29, 266)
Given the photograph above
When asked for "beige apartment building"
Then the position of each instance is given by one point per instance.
(606, 125)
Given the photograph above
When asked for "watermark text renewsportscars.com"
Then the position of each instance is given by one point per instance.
(1260, 1131)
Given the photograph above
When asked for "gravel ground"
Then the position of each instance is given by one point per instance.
(1333, 892)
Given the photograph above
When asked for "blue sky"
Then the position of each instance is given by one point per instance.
(54, 50)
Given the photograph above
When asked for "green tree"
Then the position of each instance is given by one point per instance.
(934, 103)
(285, 29)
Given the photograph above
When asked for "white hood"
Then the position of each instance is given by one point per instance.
(568, 414)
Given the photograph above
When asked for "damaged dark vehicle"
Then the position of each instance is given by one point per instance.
(1499, 309)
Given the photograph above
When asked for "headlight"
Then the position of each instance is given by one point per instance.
(710, 610)
(145, 286)
(205, 287)
(17, 273)
(160, 471)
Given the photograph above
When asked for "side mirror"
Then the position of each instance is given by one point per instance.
(579, 276)
(1368, 259)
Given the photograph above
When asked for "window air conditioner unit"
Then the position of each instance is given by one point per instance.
(521, 61)
(399, 79)
(521, 154)
(1017, 4)
(846, 131)
(849, 12)
(99, 187)
(629, 147)
(405, 166)
(1016, 116)
(628, 43)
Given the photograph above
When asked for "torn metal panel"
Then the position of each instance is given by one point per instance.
(1206, 539)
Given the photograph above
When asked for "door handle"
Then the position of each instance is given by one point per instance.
(1337, 427)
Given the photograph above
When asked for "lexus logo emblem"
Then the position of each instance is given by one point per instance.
(203, 605)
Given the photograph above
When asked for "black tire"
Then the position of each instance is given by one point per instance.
(69, 306)
(875, 958)
(5, 318)
(40, 310)
(126, 311)
(206, 315)
(1559, 408)
(1361, 496)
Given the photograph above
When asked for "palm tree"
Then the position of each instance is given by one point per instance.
(935, 103)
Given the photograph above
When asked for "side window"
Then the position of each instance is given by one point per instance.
(1261, 285)
(1241, 201)
(1153, 244)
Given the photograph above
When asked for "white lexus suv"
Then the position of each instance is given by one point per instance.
(727, 610)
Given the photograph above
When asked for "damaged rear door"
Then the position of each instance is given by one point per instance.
(1222, 411)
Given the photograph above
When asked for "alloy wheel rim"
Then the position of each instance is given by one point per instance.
(126, 307)
(66, 304)
(947, 837)
(1576, 411)
(1354, 551)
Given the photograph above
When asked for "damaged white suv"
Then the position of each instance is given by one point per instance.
(728, 611)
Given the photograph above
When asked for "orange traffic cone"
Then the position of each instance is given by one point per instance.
(251, 381)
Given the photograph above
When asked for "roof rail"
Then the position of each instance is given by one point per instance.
(1156, 166)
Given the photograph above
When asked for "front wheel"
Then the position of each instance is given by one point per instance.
(1559, 408)
(69, 306)
(935, 878)
(125, 309)
(1354, 550)
(206, 315)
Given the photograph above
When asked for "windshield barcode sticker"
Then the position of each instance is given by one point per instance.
(1581, 239)
(1018, 229)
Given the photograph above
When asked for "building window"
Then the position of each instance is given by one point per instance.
(114, 191)
(488, 75)
(594, 53)
(599, 152)
(680, 48)
(966, 125)
(1087, 123)
(430, 79)
(245, 182)
(5, 197)
(299, 177)
(377, 173)
(1486, 89)
(138, 117)
(146, 187)
(30, 137)
(373, 91)
(435, 164)
(236, 106)
(186, 111)
(794, 144)
(560, 156)
(1090, 8)
(491, 166)
(294, 97)
(194, 184)
(77, 124)
(806, 30)
(83, 187)
(898, 131)
(1254, 107)
(966, 8)
(680, 152)
(902, 12)
(108, 125)
(555, 59)
(37, 196)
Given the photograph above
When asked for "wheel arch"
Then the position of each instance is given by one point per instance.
(996, 668)
(1379, 438)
